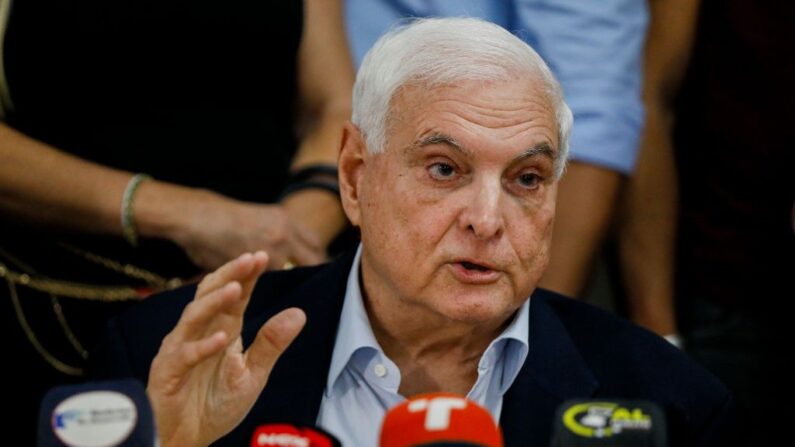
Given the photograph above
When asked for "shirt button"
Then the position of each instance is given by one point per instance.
(380, 370)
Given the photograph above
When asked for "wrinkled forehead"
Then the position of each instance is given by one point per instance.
(516, 109)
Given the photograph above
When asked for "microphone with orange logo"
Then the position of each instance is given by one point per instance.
(439, 419)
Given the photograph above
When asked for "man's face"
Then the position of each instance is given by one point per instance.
(456, 214)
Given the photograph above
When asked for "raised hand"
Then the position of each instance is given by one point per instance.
(201, 383)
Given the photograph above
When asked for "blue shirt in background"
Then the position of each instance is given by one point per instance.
(594, 47)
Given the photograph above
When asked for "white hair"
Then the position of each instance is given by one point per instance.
(442, 51)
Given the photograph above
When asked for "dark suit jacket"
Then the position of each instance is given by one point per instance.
(576, 351)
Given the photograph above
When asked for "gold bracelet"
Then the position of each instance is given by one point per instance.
(128, 229)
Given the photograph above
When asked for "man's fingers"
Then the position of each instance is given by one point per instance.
(260, 260)
(178, 363)
(234, 270)
(199, 314)
(272, 339)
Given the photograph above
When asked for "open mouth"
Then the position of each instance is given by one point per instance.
(473, 266)
(469, 272)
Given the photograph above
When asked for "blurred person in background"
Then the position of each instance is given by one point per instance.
(146, 142)
(719, 89)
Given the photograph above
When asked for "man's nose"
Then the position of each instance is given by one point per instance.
(482, 213)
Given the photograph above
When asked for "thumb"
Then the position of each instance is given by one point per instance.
(272, 339)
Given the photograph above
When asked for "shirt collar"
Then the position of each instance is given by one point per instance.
(355, 333)
(510, 347)
(518, 328)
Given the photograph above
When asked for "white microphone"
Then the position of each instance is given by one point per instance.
(97, 414)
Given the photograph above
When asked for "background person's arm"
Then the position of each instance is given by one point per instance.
(325, 82)
(595, 50)
(586, 201)
(47, 187)
(647, 223)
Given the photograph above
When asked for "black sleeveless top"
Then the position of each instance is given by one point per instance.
(195, 92)
(733, 139)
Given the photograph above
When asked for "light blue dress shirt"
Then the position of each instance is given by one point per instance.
(363, 382)
(594, 47)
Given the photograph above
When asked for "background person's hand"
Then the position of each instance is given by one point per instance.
(215, 229)
(201, 383)
(318, 211)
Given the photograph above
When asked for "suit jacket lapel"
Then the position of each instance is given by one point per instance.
(553, 372)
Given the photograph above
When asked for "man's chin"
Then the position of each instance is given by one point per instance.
(479, 309)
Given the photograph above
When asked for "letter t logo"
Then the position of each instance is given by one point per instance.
(438, 409)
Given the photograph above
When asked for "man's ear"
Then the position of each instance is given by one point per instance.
(353, 156)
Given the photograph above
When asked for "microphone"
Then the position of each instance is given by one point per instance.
(288, 435)
(439, 419)
(609, 423)
(97, 414)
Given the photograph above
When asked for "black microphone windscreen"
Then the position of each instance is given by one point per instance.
(97, 414)
(609, 423)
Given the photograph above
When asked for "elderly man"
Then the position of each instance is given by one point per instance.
(449, 168)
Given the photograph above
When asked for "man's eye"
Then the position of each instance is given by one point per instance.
(441, 171)
(529, 180)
